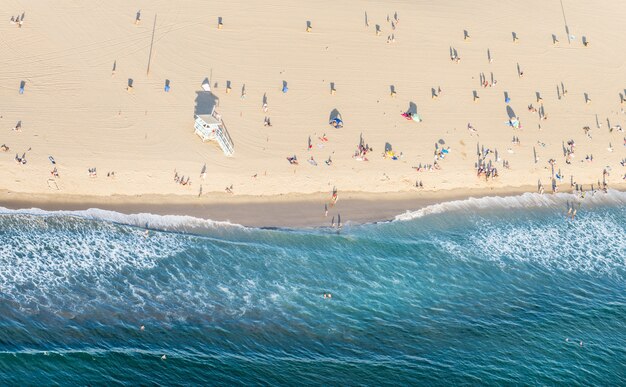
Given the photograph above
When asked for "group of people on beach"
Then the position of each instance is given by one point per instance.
(484, 166)
(362, 150)
(394, 24)
(20, 159)
(486, 169)
(18, 20)
(568, 151)
(486, 83)
(428, 167)
(181, 179)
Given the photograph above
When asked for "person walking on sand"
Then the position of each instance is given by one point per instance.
(471, 128)
(334, 197)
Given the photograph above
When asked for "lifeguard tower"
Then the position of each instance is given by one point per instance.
(210, 126)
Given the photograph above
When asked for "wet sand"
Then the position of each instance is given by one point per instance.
(284, 211)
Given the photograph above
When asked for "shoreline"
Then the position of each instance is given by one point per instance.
(83, 116)
(279, 211)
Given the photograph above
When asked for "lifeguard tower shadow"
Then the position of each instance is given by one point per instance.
(206, 102)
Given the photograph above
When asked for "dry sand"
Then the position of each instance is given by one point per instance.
(77, 111)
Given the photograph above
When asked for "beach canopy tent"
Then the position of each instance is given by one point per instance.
(336, 123)
(335, 119)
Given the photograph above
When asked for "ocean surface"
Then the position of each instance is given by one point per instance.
(488, 291)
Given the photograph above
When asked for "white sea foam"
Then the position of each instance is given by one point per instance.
(41, 255)
(594, 243)
(70, 261)
(527, 200)
(66, 260)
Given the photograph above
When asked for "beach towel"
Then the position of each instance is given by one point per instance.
(412, 117)
(513, 123)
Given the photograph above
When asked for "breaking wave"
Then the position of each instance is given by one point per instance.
(176, 223)
(526, 200)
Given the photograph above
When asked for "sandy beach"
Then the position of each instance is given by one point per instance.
(507, 101)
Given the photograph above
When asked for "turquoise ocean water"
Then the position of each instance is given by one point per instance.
(485, 291)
